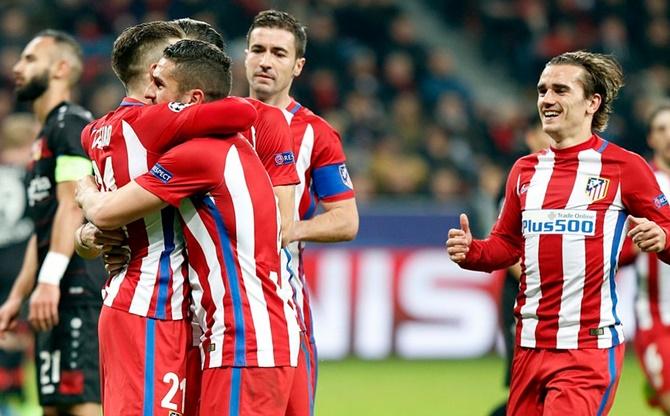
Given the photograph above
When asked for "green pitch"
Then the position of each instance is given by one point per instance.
(453, 388)
(429, 388)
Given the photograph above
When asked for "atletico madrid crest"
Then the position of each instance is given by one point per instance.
(596, 188)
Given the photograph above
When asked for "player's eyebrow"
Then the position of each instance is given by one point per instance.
(157, 80)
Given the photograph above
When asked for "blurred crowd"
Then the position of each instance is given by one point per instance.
(410, 125)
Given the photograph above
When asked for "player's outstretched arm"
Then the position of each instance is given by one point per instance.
(21, 288)
(459, 240)
(338, 222)
(111, 210)
(221, 119)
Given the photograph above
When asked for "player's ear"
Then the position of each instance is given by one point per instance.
(195, 96)
(297, 68)
(60, 69)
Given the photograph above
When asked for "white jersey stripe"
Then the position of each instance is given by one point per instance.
(244, 220)
(176, 264)
(534, 199)
(614, 231)
(196, 226)
(574, 266)
(150, 266)
(137, 153)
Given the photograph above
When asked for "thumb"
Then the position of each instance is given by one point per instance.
(635, 221)
(465, 223)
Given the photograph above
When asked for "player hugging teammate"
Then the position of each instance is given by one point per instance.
(201, 224)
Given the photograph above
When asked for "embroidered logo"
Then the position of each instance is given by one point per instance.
(177, 106)
(344, 174)
(285, 158)
(660, 201)
(596, 188)
(161, 173)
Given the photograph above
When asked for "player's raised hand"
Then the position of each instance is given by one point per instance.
(8, 313)
(43, 311)
(647, 235)
(459, 240)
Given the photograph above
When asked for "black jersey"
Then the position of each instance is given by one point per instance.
(60, 136)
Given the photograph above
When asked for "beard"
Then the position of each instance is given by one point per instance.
(34, 88)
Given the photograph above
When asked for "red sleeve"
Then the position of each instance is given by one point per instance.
(273, 142)
(86, 138)
(503, 247)
(190, 168)
(179, 122)
(642, 197)
(628, 253)
(330, 177)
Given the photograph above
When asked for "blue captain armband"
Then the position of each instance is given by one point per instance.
(331, 180)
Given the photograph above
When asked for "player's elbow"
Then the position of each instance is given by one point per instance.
(350, 228)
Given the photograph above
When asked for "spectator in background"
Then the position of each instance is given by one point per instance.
(16, 134)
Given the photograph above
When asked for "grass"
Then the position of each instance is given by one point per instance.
(456, 388)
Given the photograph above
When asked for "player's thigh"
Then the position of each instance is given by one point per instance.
(584, 382)
(193, 375)
(525, 393)
(235, 391)
(67, 358)
(144, 363)
(300, 401)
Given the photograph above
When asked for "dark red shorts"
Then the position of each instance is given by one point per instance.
(551, 382)
(257, 391)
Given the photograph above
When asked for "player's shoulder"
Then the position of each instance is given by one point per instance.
(614, 152)
(322, 128)
(72, 111)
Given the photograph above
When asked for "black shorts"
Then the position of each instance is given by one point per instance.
(66, 358)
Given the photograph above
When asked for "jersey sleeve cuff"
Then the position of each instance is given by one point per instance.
(159, 190)
(339, 197)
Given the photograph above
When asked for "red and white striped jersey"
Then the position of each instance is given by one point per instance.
(124, 144)
(271, 136)
(565, 214)
(652, 303)
(231, 227)
(322, 169)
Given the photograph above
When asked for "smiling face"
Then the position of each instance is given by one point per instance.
(565, 112)
(271, 62)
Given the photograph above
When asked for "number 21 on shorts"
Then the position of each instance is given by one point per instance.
(177, 389)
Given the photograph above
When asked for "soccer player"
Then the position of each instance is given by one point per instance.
(275, 55)
(65, 302)
(149, 299)
(250, 337)
(652, 305)
(271, 137)
(565, 216)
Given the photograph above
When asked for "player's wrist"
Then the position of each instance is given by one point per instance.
(53, 268)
